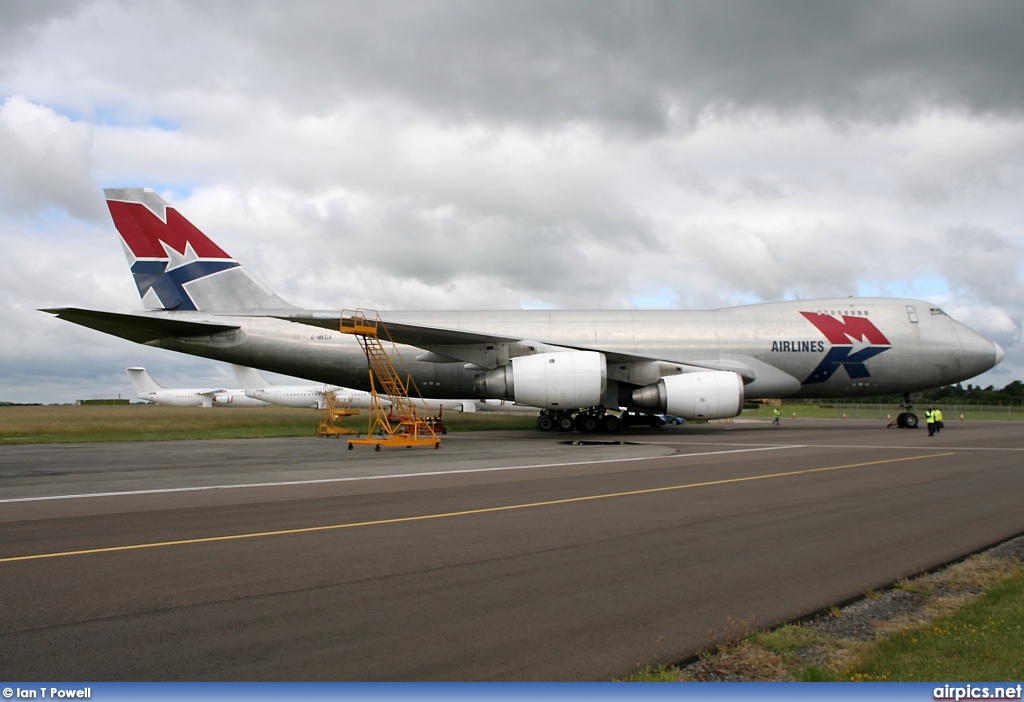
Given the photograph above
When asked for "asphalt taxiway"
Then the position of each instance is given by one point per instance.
(512, 556)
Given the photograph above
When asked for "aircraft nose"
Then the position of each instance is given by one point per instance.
(980, 352)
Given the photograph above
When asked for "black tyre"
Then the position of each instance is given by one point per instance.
(377, 447)
(901, 420)
(350, 446)
(546, 422)
(565, 423)
(610, 424)
(591, 424)
(910, 421)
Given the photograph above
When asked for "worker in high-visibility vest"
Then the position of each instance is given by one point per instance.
(937, 415)
(929, 417)
(776, 413)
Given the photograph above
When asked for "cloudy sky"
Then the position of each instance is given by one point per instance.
(476, 154)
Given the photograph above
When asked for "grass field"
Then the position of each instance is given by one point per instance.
(76, 423)
(982, 641)
(73, 423)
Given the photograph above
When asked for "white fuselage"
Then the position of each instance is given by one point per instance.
(924, 348)
(199, 397)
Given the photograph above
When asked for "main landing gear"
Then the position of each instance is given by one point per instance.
(590, 421)
(593, 421)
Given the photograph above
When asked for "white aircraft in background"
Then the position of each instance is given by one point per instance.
(148, 389)
(257, 387)
(306, 395)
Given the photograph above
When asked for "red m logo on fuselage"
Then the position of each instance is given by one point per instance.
(848, 331)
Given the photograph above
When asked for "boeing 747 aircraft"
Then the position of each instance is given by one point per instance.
(148, 389)
(572, 364)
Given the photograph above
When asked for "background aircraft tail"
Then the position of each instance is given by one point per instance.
(176, 267)
(249, 378)
(142, 381)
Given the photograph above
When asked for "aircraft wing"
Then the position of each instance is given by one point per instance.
(137, 327)
(482, 348)
(211, 393)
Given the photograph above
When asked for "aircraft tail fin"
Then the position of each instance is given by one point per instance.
(249, 378)
(142, 381)
(176, 266)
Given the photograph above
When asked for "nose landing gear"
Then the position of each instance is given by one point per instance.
(907, 419)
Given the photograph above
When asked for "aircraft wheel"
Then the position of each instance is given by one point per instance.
(591, 424)
(901, 420)
(565, 423)
(610, 424)
(377, 448)
(437, 444)
(350, 446)
(910, 421)
(545, 422)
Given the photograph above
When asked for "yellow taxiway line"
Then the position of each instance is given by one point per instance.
(462, 513)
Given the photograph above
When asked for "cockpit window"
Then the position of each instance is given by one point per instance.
(935, 310)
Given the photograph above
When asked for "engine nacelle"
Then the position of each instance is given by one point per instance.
(561, 380)
(701, 395)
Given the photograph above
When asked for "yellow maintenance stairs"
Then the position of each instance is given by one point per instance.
(401, 424)
(331, 415)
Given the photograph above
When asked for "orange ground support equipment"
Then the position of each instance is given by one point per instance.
(331, 414)
(400, 424)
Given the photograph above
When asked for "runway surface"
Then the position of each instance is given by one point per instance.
(511, 556)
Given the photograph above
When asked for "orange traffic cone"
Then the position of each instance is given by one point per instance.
(844, 415)
(794, 415)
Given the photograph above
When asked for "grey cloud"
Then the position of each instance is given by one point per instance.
(46, 162)
(642, 67)
(983, 262)
(409, 239)
(22, 20)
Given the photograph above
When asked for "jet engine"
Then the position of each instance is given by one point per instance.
(701, 395)
(560, 380)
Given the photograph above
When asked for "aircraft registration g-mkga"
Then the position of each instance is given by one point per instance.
(574, 365)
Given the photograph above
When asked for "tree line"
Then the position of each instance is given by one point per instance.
(1012, 394)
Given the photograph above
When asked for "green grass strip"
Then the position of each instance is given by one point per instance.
(982, 641)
